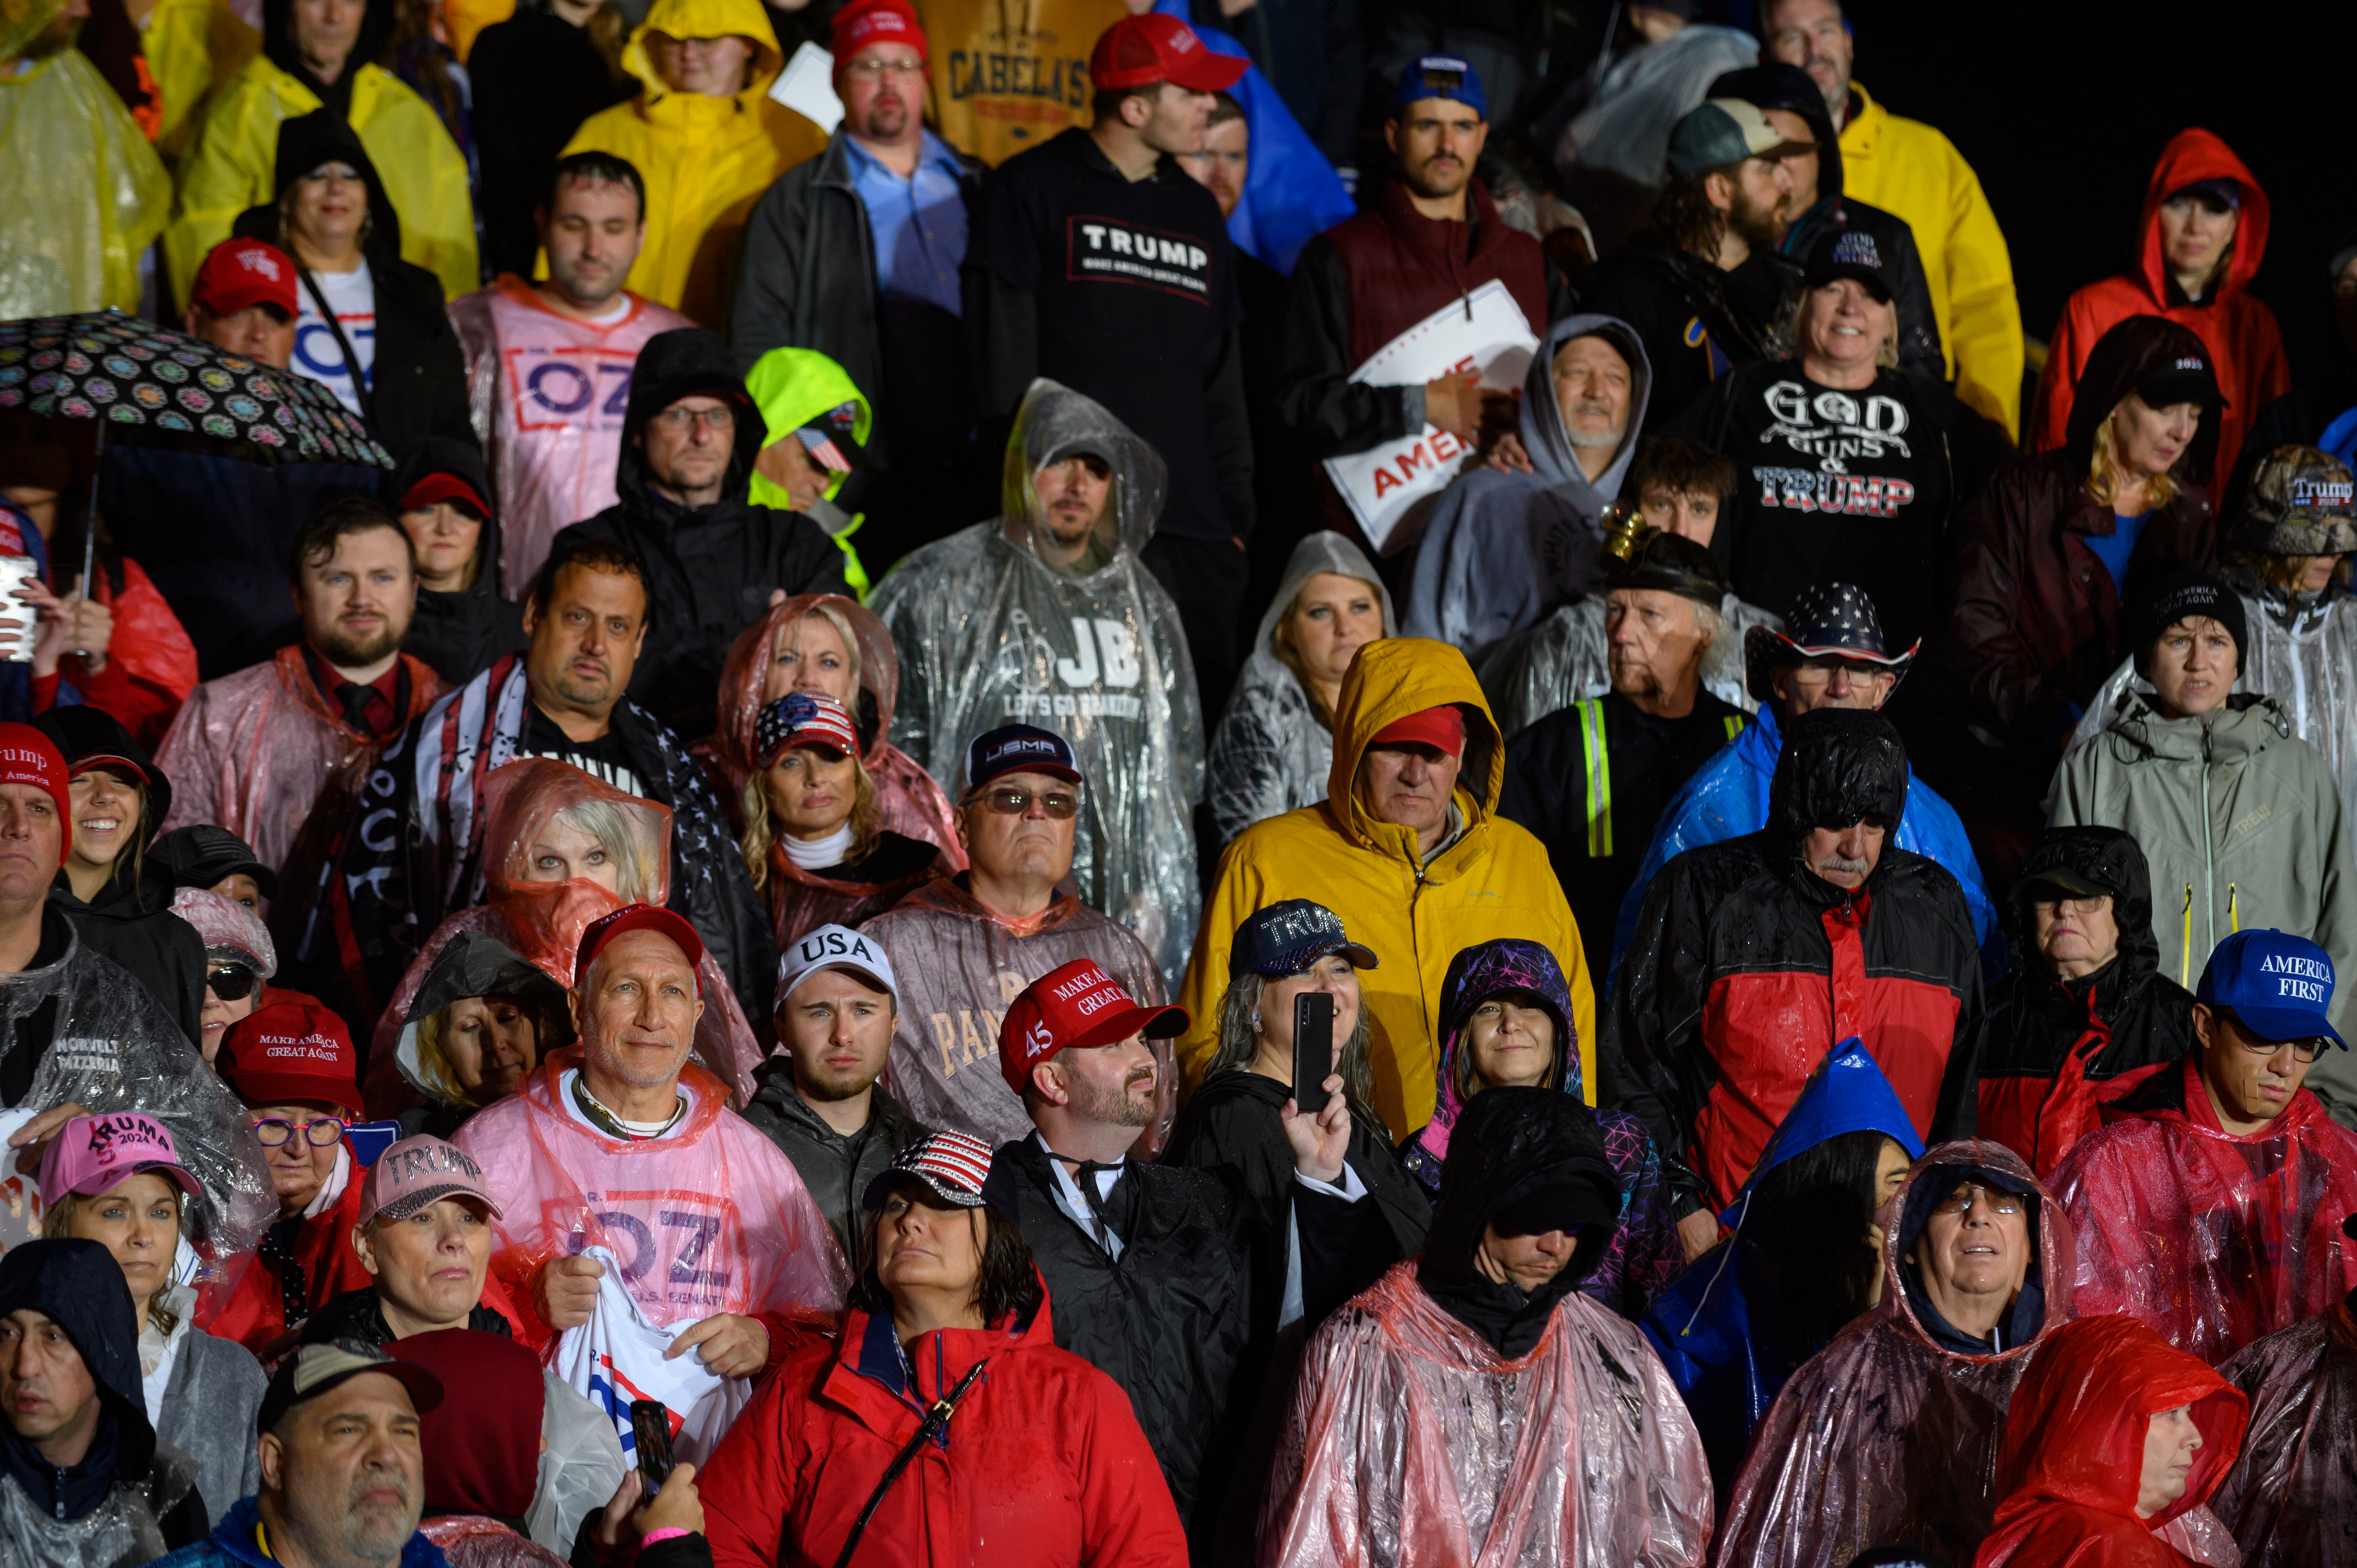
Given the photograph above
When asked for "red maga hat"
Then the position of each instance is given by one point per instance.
(1077, 1005)
(239, 272)
(291, 1051)
(637, 917)
(1138, 51)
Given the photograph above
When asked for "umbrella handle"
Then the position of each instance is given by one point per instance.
(89, 522)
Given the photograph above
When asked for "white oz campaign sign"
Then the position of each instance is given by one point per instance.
(1485, 331)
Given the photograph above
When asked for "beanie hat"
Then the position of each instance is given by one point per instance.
(2178, 598)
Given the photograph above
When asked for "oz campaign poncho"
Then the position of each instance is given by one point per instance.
(1042, 1466)
(82, 192)
(1729, 798)
(1566, 659)
(990, 634)
(1489, 878)
(1416, 1441)
(2287, 1498)
(541, 394)
(709, 1218)
(542, 921)
(1883, 1437)
(908, 801)
(705, 160)
(1501, 549)
(2214, 1240)
(1272, 754)
(2073, 1462)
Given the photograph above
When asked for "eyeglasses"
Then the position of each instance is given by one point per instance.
(1960, 1202)
(719, 421)
(277, 1132)
(2301, 1050)
(230, 981)
(876, 69)
(1015, 803)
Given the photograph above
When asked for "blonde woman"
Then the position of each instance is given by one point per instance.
(813, 843)
(475, 1029)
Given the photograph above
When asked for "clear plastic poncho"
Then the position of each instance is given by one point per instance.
(1412, 1440)
(1271, 754)
(1565, 660)
(1625, 129)
(1883, 1437)
(2286, 1500)
(581, 1464)
(542, 921)
(122, 1530)
(82, 193)
(991, 634)
(710, 1218)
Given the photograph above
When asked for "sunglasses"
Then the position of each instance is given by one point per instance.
(1059, 804)
(230, 983)
(277, 1132)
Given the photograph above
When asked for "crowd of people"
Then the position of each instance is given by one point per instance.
(1091, 790)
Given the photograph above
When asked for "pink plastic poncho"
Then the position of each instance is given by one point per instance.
(1883, 1438)
(2213, 1240)
(542, 921)
(546, 394)
(1412, 1444)
(2289, 1499)
(253, 752)
(709, 1218)
(908, 801)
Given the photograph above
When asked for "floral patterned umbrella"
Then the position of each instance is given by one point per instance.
(134, 377)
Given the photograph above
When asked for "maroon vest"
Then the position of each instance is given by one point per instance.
(1401, 266)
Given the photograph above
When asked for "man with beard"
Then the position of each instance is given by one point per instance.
(1432, 234)
(1592, 779)
(1703, 286)
(257, 751)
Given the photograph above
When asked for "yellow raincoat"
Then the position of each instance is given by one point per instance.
(1006, 75)
(231, 167)
(1493, 881)
(194, 49)
(82, 193)
(1907, 167)
(705, 160)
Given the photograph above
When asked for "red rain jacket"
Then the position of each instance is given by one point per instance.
(2245, 346)
(2210, 1240)
(2073, 1454)
(151, 665)
(1042, 1466)
(248, 1305)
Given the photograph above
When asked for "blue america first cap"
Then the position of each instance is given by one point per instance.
(1289, 936)
(2278, 985)
(1440, 76)
(1018, 749)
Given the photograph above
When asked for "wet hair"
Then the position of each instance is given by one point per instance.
(1685, 216)
(597, 555)
(2107, 476)
(339, 520)
(593, 168)
(762, 834)
(1239, 1042)
(57, 1222)
(1806, 1228)
(1008, 1281)
(1688, 467)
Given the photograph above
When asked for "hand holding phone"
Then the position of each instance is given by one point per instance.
(650, 1436)
(1313, 1049)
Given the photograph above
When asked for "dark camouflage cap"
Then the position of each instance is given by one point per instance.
(2302, 503)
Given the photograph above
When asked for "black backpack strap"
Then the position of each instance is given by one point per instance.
(936, 1422)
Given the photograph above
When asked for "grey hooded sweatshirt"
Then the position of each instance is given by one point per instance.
(1501, 549)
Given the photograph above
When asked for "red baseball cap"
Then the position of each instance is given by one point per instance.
(637, 917)
(1443, 726)
(28, 756)
(1138, 51)
(435, 487)
(239, 272)
(866, 22)
(1080, 1006)
(290, 1051)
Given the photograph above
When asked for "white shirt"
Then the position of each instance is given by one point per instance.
(647, 1130)
(352, 296)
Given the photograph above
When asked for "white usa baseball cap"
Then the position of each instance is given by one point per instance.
(834, 947)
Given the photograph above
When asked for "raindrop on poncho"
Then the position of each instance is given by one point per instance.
(991, 634)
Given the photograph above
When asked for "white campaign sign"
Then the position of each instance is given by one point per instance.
(1484, 331)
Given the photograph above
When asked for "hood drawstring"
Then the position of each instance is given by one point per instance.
(2234, 913)
(1716, 1274)
(2185, 957)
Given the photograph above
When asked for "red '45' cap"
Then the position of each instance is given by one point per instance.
(1078, 1004)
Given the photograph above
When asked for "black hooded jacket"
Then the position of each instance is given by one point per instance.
(2126, 1017)
(130, 919)
(711, 570)
(1526, 1160)
(473, 964)
(77, 1285)
(1747, 968)
(417, 382)
(461, 633)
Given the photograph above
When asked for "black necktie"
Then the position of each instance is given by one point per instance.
(355, 698)
(1085, 1176)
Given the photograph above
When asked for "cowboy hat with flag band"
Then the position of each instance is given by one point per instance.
(1831, 621)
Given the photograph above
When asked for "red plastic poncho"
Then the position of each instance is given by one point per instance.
(1411, 1441)
(2073, 1454)
(908, 801)
(248, 1302)
(2212, 1239)
(151, 665)
(710, 1218)
(1884, 1438)
(542, 921)
(2287, 1498)
(254, 752)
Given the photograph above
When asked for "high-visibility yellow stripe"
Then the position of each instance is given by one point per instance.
(1734, 725)
(1599, 779)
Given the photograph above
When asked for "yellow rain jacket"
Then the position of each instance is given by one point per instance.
(82, 193)
(705, 160)
(194, 49)
(1492, 881)
(231, 168)
(1010, 74)
(1907, 167)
